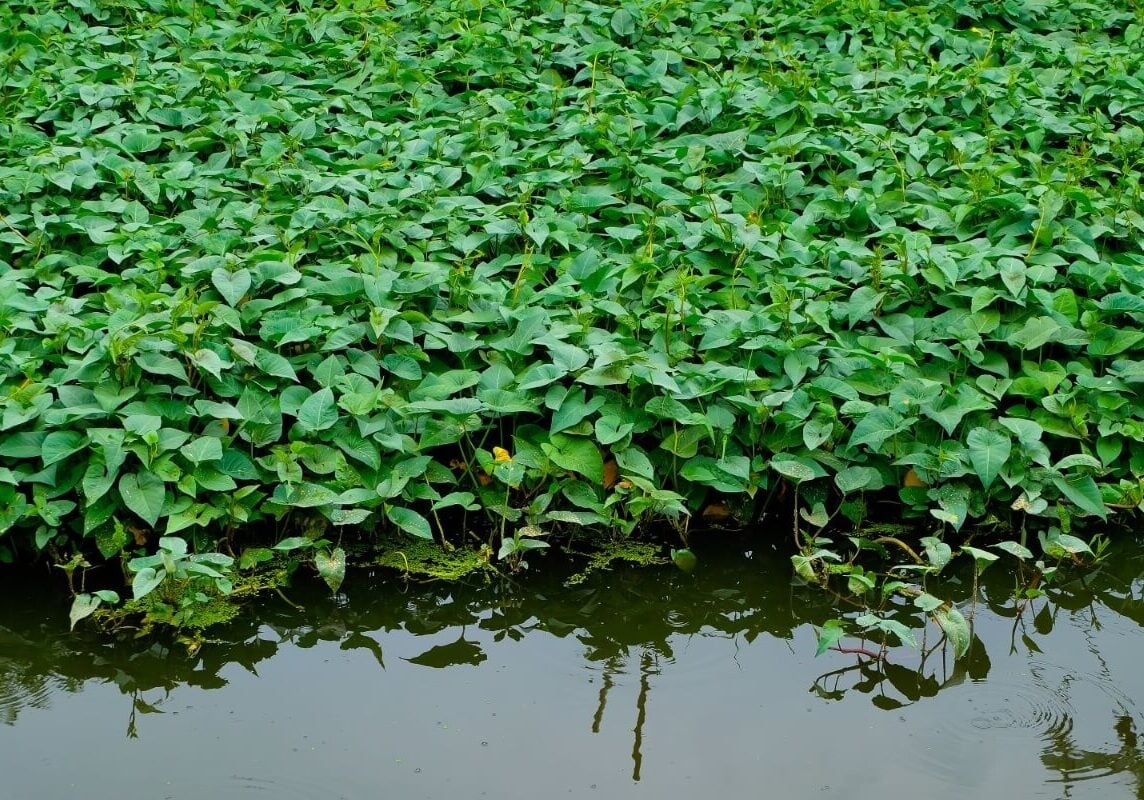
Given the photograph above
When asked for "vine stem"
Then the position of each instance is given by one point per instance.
(288, 601)
(895, 540)
(861, 651)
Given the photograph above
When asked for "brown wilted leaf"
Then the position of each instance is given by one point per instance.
(611, 473)
(913, 480)
(139, 535)
(716, 511)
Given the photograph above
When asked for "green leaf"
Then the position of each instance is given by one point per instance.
(573, 409)
(981, 558)
(319, 412)
(955, 627)
(146, 580)
(829, 635)
(904, 634)
(347, 516)
(623, 22)
(1073, 544)
(253, 556)
(1077, 460)
(331, 567)
(684, 559)
(852, 479)
(144, 494)
(275, 365)
(1061, 545)
(610, 430)
(1037, 332)
(577, 455)
(209, 361)
(816, 432)
(22, 445)
(111, 540)
(954, 502)
(60, 444)
(1025, 430)
(82, 607)
(139, 141)
(305, 495)
(1112, 341)
(402, 366)
(927, 602)
(795, 470)
(410, 521)
(465, 500)
(989, 450)
(159, 364)
(876, 427)
(938, 553)
(1016, 549)
(1083, 492)
(294, 543)
(1012, 275)
(202, 449)
(233, 286)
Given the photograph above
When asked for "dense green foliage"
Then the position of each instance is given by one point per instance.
(562, 264)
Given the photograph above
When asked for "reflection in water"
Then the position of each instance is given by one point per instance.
(1074, 764)
(453, 654)
(1124, 755)
(639, 621)
(23, 684)
(613, 666)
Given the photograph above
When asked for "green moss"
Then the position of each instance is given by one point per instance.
(872, 530)
(153, 611)
(429, 560)
(166, 608)
(606, 552)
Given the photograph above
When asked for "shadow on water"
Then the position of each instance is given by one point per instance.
(636, 628)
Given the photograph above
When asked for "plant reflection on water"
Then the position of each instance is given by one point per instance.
(627, 621)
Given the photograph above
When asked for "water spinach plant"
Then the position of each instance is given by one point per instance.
(466, 269)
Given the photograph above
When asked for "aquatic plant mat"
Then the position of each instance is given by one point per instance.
(510, 269)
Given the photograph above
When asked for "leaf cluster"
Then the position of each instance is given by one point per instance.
(563, 263)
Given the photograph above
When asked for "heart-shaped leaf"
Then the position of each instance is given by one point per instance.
(144, 494)
(988, 452)
(331, 567)
(83, 606)
(233, 286)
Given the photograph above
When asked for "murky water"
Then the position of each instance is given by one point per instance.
(638, 683)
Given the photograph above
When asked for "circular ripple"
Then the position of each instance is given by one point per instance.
(1034, 706)
(1040, 702)
(994, 715)
(23, 688)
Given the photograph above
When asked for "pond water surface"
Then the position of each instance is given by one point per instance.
(639, 682)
